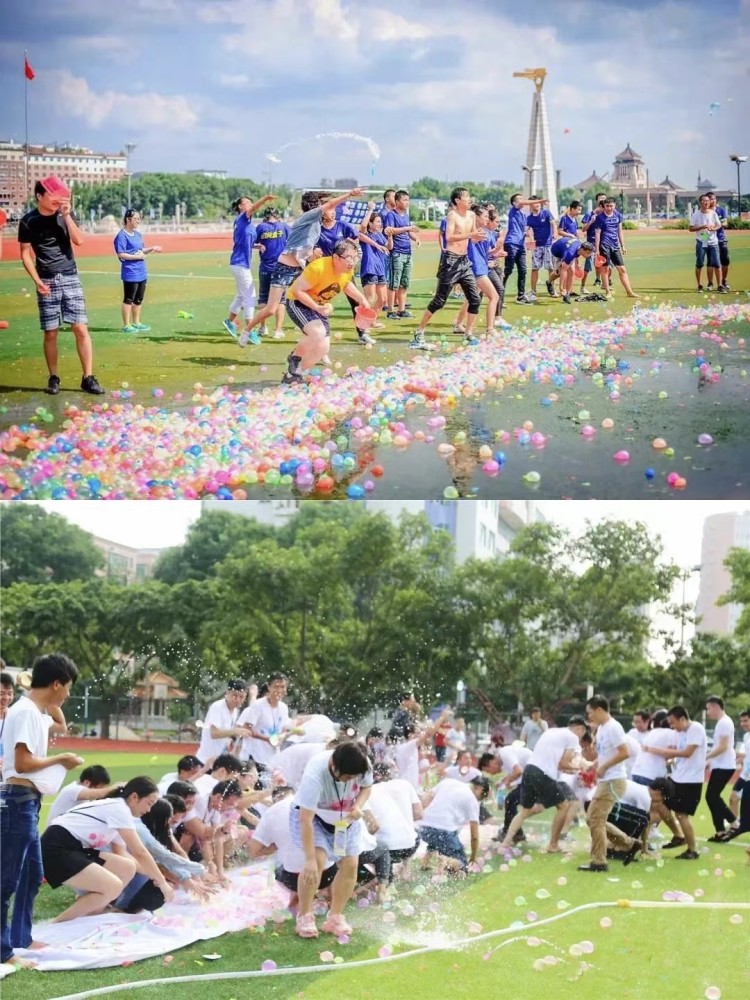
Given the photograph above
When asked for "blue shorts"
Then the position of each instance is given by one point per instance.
(323, 838)
(372, 279)
(285, 275)
(709, 254)
(445, 842)
(265, 279)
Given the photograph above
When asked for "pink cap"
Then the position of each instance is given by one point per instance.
(54, 186)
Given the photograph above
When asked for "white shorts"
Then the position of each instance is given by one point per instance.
(541, 259)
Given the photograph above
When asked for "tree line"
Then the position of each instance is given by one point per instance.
(354, 607)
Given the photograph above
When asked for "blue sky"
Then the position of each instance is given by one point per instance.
(219, 83)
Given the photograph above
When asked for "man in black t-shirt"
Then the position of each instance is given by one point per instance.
(47, 234)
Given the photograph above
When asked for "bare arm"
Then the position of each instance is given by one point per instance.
(250, 212)
(26, 763)
(474, 834)
(340, 199)
(144, 861)
(59, 726)
(29, 262)
(76, 236)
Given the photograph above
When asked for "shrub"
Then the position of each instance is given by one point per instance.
(427, 225)
(628, 224)
(737, 224)
(677, 224)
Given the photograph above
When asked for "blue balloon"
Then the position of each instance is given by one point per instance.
(355, 492)
(649, 473)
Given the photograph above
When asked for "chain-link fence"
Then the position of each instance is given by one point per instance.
(127, 718)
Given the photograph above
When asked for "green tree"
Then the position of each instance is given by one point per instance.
(38, 547)
(211, 539)
(738, 564)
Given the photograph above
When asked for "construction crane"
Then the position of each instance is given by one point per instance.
(537, 75)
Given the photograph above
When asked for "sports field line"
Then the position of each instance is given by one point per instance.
(453, 946)
(156, 274)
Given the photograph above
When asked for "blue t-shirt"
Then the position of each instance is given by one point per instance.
(244, 237)
(401, 242)
(541, 227)
(441, 233)
(609, 226)
(516, 235)
(373, 261)
(722, 233)
(566, 249)
(125, 242)
(272, 236)
(492, 237)
(329, 237)
(585, 221)
(478, 254)
(567, 224)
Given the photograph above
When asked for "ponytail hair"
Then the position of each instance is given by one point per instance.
(140, 786)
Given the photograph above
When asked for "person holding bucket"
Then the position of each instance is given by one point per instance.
(565, 252)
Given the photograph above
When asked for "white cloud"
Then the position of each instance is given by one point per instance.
(75, 96)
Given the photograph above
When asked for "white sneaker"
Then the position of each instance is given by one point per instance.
(279, 335)
(263, 331)
(243, 338)
(458, 328)
(367, 340)
(502, 324)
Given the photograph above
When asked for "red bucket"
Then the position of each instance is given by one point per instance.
(365, 317)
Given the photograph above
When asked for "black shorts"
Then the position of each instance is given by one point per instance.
(613, 256)
(289, 879)
(724, 254)
(686, 797)
(133, 292)
(300, 315)
(538, 787)
(631, 821)
(741, 784)
(64, 856)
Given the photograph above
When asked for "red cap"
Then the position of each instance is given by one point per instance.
(54, 186)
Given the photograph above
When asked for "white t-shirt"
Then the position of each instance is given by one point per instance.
(24, 723)
(223, 717)
(273, 828)
(329, 799)
(550, 748)
(315, 729)
(293, 759)
(523, 754)
(66, 798)
(391, 803)
(454, 805)
(653, 765)
(709, 218)
(458, 738)
(407, 761)
(690, 770)
(532, 732)
(746, 764)
(584, 793)
(638, 796)
(728, 759)
(509, 759)
(609, 737)
(637, 735)
(634, 748)
(166, 781)
(460, 774)
(96, 823)
(268, 719)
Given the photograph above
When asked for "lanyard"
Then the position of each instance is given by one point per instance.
(339, 797)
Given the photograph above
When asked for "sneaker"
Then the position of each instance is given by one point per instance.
(688, 856)
(249, 337)
(674, 842)
(53, 385)
(334, 923)
(727, 288)
(593, 868)
(722, 290)
(404, 314)
(471, 341)
(142, 327)
(575, 295)
(90, 385)
(130, 328)
(279, 335)
(367, 340)
(292, 378)
(458, 328)
(598, 282)
(419, 343)
(566, 299)
(700, 288)
(231, 328)
(709, 288)
(717, 837)
(293, 361)
(502, 324)
(305, 926)
(393, 315)
(263, 332)
(632, 854)
(457, 295)
(551, 289)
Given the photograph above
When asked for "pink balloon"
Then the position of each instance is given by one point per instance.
(621, 456)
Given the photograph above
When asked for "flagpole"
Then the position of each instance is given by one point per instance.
(26, 119)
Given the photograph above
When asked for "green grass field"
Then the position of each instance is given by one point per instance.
(177, 353)
(647, 954)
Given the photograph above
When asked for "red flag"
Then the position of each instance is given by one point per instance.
(30, 74)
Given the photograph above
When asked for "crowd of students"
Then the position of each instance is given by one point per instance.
(336, 811)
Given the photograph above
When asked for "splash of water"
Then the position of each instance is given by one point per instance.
(371, 145)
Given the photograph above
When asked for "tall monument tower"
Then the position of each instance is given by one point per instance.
(539, 151)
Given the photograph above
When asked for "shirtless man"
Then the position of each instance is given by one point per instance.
(455, 267)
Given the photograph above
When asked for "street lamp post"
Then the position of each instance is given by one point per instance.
(129, 147)
(735, 158)
(530, 179)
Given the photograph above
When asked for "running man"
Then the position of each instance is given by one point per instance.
(243, 240)
(310, 305)
(564, 252)
(270, 240)
(455, 268)
(544, 229)
(300, 244)
(611, 245)
(47, 235)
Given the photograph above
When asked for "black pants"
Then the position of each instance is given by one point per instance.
(380, 859)
(516, 258)
(499, 286)
(720, 811)
(744, 826)
(455, 269)
(512, 802)
(353, 303)
(148, 897)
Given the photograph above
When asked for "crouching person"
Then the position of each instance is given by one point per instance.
(94, 849)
